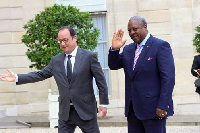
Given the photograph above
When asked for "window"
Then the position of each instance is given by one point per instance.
(99, 21)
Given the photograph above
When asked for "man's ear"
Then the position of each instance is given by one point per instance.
(145, 26)
(75, 36)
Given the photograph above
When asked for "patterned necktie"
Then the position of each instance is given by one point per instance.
(69, 68)
(137, 53)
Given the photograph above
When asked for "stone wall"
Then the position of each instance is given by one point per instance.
(171, 20)
(23, 99)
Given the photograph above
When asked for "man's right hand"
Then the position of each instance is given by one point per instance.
(117, 42)
(10, 77)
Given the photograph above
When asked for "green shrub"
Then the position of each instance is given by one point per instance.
(41, 33)
(196, 40)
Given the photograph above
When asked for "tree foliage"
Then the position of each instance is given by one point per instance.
(41, 33)
(196, 40)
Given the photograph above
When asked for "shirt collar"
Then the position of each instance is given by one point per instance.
(145, 40)
(73, 52)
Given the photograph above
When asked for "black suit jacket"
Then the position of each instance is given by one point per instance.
(195, 66)
(80, 89)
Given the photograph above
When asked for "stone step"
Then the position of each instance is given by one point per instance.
(8, 125)
(2, 113)
(109, 121)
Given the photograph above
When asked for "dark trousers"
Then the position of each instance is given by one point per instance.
(87, 126)
(145, 126)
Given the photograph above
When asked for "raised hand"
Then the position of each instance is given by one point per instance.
(10, 77)
(117, 42)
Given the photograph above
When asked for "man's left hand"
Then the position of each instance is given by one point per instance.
(103, 111)
(161, 113)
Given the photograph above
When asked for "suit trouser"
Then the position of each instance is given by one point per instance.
(87, 126)
(136, 125)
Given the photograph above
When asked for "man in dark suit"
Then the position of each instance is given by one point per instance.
(195, 70)
(149, 77)
(77, 103)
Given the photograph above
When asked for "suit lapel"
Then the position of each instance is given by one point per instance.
(77, 64)
(62, 67)
(143, 54)
(131, 53)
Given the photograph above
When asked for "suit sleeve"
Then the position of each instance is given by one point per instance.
(195, 66)
(36, 76)
(114, 60)
(100, 80)
(166, 68)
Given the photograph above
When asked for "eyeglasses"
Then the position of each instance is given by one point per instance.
(65, 40)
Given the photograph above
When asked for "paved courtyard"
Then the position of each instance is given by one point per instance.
(117, 124)
(170, 129)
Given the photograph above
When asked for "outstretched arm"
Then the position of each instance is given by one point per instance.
(10, 77)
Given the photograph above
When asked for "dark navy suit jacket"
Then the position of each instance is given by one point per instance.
(150, 84)
(195, 66)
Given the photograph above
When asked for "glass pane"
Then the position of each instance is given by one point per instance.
(96, 91)
(101, 49)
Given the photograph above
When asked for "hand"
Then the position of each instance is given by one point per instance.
(103, 111)
(161, 113)
(117, 42)
(198, 70)
(10, 77)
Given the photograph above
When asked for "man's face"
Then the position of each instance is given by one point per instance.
(137, 31)
(67, 42)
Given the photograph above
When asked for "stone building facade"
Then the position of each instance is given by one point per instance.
(171, 20)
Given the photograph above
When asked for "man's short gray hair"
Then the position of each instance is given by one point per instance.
(140, 18)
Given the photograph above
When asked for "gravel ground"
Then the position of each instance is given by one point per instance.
(170, 129)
